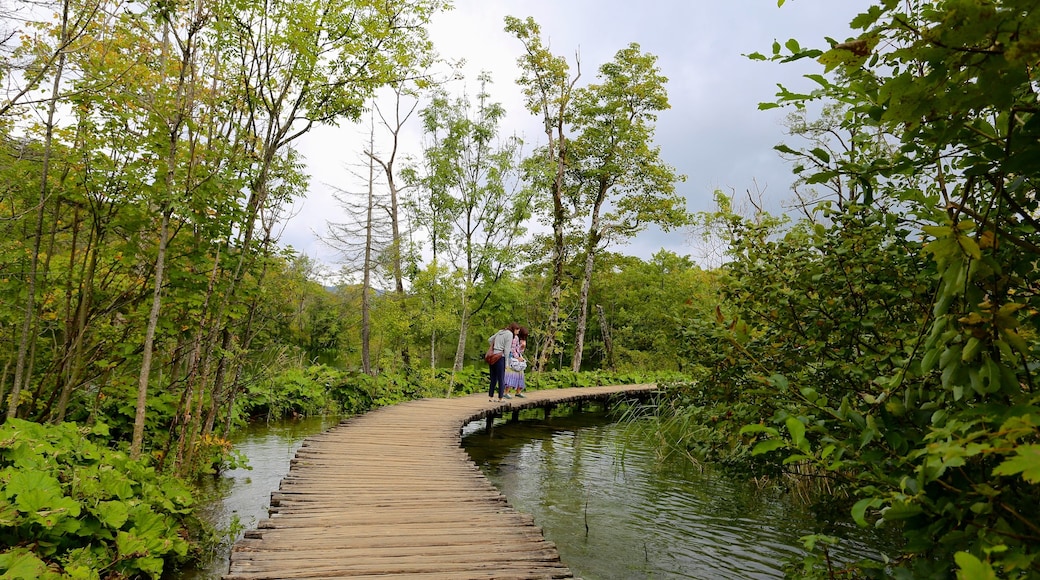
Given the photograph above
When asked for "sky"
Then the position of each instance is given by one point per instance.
(713, 134)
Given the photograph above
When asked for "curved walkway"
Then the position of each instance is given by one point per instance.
(392, 494)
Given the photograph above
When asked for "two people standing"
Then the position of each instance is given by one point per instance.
(501, 343)
(507, 371)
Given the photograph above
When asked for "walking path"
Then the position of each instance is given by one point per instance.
(392, 494)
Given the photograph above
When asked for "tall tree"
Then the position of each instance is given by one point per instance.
(362, 239)
(394, 124)
(619, 177)
(59, 55)
(477, 169)
(171, 110)
(305, 62)
(548, 90)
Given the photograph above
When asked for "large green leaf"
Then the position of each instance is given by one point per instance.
(112, 513)
(971, 568)
(40, 495)
(1026, 462)
(21, 564)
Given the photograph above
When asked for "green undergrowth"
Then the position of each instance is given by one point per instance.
(70, 507)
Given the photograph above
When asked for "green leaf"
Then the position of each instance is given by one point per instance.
(130, 545)
(112, 513)
(758, 428)
(795, 459)
(971, 349)
(21, 564)
(866, 437)
(797, 430)
(116, 484)
(930, 358)
(850, 54)
(970, 247)
(859, 510)
(1015, 340)
(971, 568)
(41, 496)
(901, 511)
(767, 446)
(1026, 462)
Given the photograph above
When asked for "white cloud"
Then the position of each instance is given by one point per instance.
(714, 132)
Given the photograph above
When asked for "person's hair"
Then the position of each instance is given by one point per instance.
(513, 327)
(522, 333)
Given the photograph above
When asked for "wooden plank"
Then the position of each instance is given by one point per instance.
(391, 494)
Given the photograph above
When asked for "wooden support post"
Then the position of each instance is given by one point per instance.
(515, 416)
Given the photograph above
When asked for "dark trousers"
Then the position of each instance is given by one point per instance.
(498, 375)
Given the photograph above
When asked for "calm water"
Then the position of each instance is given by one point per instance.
(615, 510)
(245, 494)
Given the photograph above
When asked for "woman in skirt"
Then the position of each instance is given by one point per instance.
(516, 364)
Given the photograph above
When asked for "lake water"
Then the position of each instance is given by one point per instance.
(615, 509)
(245, 494)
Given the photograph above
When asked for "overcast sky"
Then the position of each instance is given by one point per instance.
(714, 132)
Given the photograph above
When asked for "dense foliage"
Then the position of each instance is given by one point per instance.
(72, 508)
(885, 344)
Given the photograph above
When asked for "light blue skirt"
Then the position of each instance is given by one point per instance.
(514, 379)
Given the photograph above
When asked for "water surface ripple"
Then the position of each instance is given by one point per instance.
(616, 510)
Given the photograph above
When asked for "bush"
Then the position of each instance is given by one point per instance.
(71, 508)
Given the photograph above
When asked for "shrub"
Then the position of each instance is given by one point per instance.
(71, 508)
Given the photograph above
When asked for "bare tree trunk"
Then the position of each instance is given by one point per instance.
(608, 342)
(181, 105)
(559, 256)
(3, 378)
(247, 333)
(397, 242)
(177, 368)
(78, 329)
(433, 314)
(27, 335)
(433, 349)
(460, 348)
(583, 310)
(246, 257)
(198, 363)
(591, 246)
(366, 325)
(149, 338)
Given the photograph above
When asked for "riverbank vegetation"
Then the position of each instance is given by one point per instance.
(878, 338)
(882, 337)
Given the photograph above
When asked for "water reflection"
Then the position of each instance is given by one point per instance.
(615, 514)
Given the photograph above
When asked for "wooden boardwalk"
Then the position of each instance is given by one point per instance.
(392, 494)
